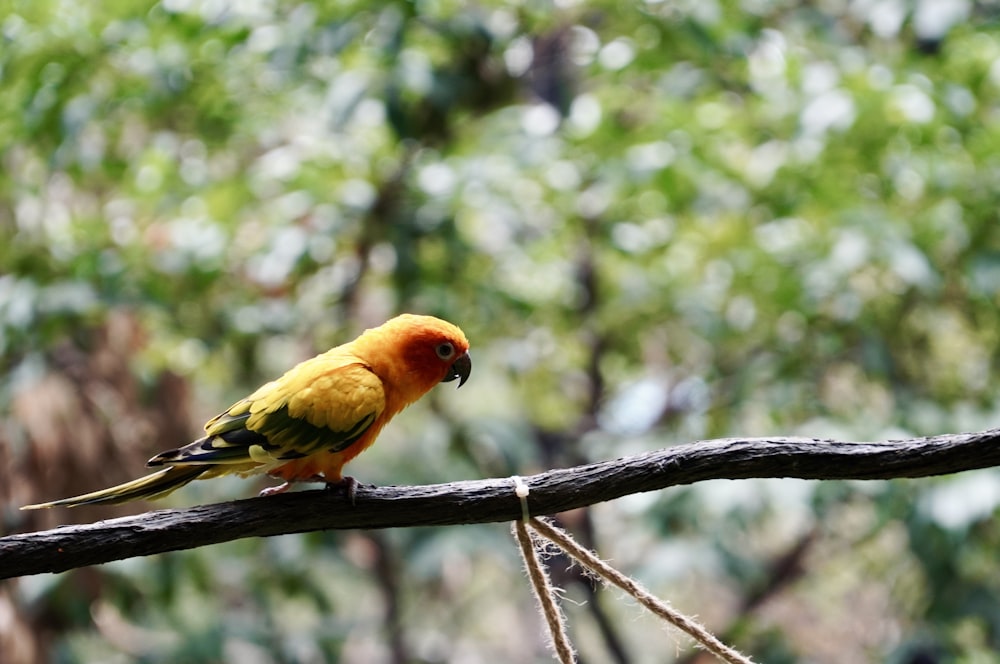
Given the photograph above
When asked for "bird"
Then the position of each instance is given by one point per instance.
(307, 424)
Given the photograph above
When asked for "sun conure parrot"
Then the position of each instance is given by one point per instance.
(304, 426)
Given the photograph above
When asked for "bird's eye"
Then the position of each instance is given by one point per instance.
(445, 351)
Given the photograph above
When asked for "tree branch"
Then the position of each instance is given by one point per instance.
(488, 501)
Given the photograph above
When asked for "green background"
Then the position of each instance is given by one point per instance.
(657, 222)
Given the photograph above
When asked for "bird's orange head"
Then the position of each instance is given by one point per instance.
(414, 353)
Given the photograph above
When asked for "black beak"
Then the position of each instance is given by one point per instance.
(460, 369)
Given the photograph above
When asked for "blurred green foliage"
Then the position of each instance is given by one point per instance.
(657, 222)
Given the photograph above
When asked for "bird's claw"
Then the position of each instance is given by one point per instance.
(348, 485)
(275, 490)
(282, 488)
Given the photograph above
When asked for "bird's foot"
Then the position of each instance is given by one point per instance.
(281, 488)
(348, 485)
(275, 490)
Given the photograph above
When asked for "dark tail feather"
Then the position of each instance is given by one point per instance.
(156, 485)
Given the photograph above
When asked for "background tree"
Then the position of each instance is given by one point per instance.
(657, 222)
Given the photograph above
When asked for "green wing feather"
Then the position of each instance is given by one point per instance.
(313, 408)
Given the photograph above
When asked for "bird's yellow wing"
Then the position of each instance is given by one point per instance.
(321, 405)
